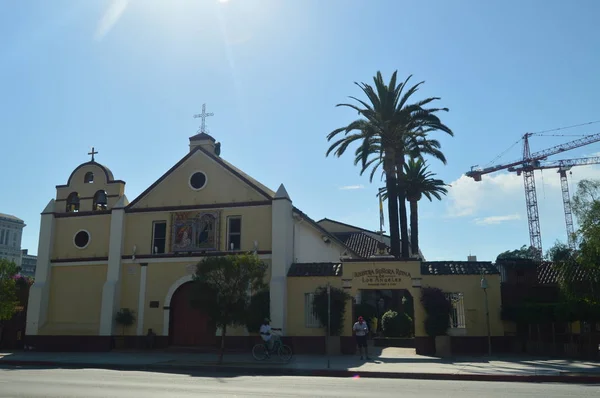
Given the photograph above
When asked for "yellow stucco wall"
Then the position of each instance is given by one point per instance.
(399, 275)
(86, 191)
(160, 278)
(388, 275)
(256, 226)
(75, 300)
(474, 300)
(297, 287)
(221, 186)
(130, 288)
(65, 229)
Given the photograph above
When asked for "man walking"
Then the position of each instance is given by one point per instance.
(361, 330)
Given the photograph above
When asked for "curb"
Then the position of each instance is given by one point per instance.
(564, 377)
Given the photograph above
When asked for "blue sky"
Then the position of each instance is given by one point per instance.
(127, 77)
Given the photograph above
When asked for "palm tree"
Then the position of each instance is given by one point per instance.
(415, 145)
(419, 182)
(388, 122)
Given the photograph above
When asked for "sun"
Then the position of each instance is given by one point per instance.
(223, 1)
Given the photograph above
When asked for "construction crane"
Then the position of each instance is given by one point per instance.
(529, 160)
(563, 166)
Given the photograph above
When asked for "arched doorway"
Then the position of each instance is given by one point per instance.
(189, 326)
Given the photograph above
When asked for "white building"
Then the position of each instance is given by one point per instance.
(11, 230)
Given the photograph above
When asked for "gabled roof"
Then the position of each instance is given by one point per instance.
(315, 269)
(458, 268)
(263, 190)
(324, 231)
(250, 180)
(363, 244)
(349, 226)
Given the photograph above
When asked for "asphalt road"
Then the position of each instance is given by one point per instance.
(50, 383)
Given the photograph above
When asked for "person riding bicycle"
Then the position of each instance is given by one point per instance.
(265, 334)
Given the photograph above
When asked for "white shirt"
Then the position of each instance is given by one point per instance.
(360, 329)
(265, 329)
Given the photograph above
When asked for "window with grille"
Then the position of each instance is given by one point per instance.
(310, 318)
(457, 312)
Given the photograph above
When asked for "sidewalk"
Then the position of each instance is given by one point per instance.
(384, 363)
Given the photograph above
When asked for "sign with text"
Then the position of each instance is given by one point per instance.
(381, 277)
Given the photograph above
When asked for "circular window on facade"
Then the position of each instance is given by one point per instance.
(81, 239)
(198, 180)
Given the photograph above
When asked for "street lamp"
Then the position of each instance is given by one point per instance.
(484, 286)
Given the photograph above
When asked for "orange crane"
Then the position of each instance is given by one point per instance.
(527, 164)
(563, 166)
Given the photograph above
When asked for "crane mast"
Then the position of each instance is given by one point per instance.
(533, 215)
(528, 164)
(563, 166)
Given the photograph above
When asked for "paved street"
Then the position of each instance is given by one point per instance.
(116, 384)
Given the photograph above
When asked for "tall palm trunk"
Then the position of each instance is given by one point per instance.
(392, 190)
(402, 205)
(414, 226)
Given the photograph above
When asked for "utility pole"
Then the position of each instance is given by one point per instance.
(484, 286)
(328, 324)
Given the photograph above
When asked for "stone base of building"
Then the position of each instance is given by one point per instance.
(300, 344)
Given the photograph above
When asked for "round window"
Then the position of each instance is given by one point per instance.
(198, 180)
(81, 239)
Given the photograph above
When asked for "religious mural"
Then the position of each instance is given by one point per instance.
(195, 231)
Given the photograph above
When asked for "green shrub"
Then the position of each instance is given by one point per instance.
(338, 308)
(125, 317)
(396, 324)
(437, 308)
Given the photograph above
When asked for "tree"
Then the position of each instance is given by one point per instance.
(419, 182)
(8, 291)
(437, 310)
(338, 308)
(385, 127)
(258, 310)
(524, 253)
(222, 287)
(588, 192)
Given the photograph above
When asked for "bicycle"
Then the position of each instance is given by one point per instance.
(260, 351)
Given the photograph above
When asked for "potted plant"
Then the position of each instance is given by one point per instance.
(125, 317)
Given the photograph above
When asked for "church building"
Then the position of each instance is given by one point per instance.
(98, 252)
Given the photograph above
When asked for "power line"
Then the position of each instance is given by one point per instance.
(546, 135)
(503, 153)
(565, 128)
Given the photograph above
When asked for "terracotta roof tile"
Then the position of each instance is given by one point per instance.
(315, 269)
(361, 243)
(549, 275)
(458, 268)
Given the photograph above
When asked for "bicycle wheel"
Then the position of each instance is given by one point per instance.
(259, 352)
(284, 352)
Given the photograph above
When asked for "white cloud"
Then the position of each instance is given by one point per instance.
(112, 15)
(497, 219)
(350, 187)
(504, 192)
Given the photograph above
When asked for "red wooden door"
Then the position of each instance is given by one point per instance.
(189, 326)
